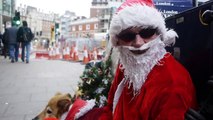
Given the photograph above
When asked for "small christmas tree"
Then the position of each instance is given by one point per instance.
(96, 82)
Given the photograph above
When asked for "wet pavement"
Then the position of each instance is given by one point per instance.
(26, 88)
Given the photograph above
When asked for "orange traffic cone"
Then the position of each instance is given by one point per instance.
(54, 53)
(95, 54)
(50, 53)
(76, 58)
(85, 59)
(72, 53)
(63, 53)
(89, 55)
(67, 53)
(58, 56)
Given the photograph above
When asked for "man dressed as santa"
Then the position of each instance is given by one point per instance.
(149, 83)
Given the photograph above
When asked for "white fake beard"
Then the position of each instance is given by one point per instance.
(137, 67)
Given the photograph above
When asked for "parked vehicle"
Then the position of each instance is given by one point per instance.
(194, 49)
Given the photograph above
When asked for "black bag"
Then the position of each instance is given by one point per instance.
(27, 34)
(24, 34)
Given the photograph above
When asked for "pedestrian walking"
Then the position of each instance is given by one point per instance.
(25, 36)
(10, 39)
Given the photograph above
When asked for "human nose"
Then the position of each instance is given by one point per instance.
(138, 42)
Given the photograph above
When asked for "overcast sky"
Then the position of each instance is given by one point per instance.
(80, 7)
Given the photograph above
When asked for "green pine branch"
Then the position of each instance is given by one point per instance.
(96, 82)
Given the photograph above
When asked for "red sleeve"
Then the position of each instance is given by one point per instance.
(178, 94)
(172, 105)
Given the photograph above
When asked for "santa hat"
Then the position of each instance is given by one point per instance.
(140, 13)
(79, 108)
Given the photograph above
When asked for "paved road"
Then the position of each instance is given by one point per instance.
(26, 88)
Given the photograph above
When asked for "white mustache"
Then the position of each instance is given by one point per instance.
(145, 46)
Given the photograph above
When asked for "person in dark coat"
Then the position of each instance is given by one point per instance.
(10, 39)
(25, 36)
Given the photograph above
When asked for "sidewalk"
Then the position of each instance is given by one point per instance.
(26, 88)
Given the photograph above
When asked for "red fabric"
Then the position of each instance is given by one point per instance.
(97, 114)
(75, 109)
(166, 95)
(132, 2)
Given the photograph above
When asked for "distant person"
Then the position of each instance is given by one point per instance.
(25, 36)
(5, 45)
(11, 41)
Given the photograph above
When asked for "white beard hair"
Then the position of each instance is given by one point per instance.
(137, 67)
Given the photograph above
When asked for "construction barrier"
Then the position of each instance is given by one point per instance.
(39, 55)
(67, 53)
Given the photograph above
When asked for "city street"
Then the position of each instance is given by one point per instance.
(26, 88)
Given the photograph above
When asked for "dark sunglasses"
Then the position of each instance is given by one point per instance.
(128, 35)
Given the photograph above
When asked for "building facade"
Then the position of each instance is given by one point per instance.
(64, 24)
(84, 28)
(39, 22)
(7, 11)
(103, 10)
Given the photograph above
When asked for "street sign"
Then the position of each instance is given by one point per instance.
(171, 7)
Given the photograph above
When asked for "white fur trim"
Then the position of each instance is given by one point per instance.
(169, 37)
(89, 105)
(118, 94)
(136, 15)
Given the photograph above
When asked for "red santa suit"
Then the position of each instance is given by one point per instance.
(163, 90)
(167, 94)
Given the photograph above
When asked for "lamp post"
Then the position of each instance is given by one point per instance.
(111, 12)
(11, 11)
(1, 13)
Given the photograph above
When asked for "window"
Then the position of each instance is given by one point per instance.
(88, 27)
(95, 26)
